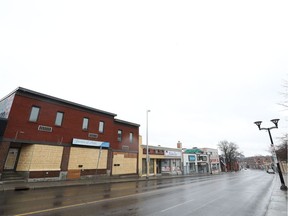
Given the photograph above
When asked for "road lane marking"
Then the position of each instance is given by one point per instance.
(175, 206)
(164, 210)
(208, 203)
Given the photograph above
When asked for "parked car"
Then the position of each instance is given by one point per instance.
(270, 171)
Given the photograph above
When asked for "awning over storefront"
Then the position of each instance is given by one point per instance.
(194, 151)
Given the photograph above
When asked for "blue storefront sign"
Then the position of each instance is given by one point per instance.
(191, 157)
(90, 143)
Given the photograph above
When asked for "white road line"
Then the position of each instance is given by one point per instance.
(208, 203)
(176, 205)
(164, 210)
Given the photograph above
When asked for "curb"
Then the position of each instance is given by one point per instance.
(69, 183)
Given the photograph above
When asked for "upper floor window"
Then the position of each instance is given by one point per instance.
(101, 127)
(119, 137)
(34, 114)
(85, 124)
(131, 138)
(201, 158)
(59, 118)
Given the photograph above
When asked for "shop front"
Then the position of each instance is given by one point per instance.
(195, 163)
(162, 161)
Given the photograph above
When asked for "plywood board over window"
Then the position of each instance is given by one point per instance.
(124, 163)
(40, 158)
(87, 158)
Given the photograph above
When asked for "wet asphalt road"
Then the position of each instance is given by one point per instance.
(243, 193)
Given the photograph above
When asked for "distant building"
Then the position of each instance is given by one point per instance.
(214, 159)
(257, 162)
(203, 160)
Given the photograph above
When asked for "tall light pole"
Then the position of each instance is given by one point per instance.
(99, 155)
(147, 150)
(275, 121)
(209, 160)
(16, 135)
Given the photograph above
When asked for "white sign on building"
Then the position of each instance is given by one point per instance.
(172, 153)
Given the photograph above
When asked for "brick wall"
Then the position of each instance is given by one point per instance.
(71, 127)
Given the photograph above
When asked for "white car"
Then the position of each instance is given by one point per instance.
(270, 171)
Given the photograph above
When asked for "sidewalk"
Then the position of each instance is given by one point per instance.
(278, 205)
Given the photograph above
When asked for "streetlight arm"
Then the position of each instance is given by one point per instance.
(267, 128)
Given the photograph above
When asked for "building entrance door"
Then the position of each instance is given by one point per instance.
(11, 159)
(158, 168)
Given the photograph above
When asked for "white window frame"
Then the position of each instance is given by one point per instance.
(85, 123)
(59, 118)
(101, 126)
(131, 138)
(34, 114)
(119, 135)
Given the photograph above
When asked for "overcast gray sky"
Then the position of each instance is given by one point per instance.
(206, 69)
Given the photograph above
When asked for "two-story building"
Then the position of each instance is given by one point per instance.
(213, 159)
(204, 160)
(44, 137)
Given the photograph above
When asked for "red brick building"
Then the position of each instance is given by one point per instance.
(257, 162)
(46, 137)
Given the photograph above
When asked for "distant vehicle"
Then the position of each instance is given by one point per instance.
(270, 171)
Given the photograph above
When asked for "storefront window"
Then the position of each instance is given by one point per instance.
(192, 167)
(144, 166)
(151, 166)
(201, 158)
(178, 165)
(165, 166)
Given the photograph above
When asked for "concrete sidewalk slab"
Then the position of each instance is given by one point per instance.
(278, 205)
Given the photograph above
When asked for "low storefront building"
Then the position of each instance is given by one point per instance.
(161, 160)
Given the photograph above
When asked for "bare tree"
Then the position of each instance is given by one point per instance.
(230, 153)
(284, 103)
(281, 150)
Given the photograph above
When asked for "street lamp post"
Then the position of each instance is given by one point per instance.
(16, 135)
(209, 159)
(147, 150)
(275, 121)
(99, 155)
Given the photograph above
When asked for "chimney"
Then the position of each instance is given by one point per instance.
(179, 145)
